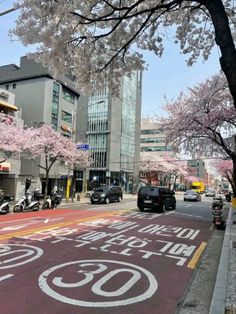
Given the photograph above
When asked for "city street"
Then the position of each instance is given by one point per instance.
(100, 258)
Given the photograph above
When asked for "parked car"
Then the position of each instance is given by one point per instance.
(210, 192)
(191, 195)
(106, 194)
(158, 198)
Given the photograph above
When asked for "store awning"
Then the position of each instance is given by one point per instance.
(7, 105)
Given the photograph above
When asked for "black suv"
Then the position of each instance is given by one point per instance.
(106, 194)
(159, 198)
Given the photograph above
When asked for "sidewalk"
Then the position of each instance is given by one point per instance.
(85, 200)
(224, 295)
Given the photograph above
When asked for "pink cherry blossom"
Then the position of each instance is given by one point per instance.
(12, 137)
(100, 41)
(51, 146)
(203, 122)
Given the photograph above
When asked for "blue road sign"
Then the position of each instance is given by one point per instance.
(82, 146)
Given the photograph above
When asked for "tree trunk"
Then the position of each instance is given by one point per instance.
(46, 184)
(224, 40)
(234, 177)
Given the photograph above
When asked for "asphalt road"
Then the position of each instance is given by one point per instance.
(93, 259)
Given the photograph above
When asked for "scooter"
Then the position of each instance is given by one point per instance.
(218, 218)
(4, 204)
(217, 213)
(26, 203)
(52, 201)
(228, 197)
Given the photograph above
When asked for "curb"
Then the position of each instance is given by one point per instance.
(218, 302)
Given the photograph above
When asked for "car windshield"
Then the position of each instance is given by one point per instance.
(190, 192)
(196, 187)
(102, 189)
(150, 190)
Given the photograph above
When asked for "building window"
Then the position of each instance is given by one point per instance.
(65, 116)
(153, 140)
(55, 106)
(151, 131)
(14, 86)
(7, 86)
(156, 148)
(67, 95)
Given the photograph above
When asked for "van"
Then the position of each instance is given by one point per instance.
(158, 198)
(106, 194)
(198, 186)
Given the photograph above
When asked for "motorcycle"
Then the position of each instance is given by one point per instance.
(52, 201)
(4, 204)
(217, 213)
(27, 202)
(217, 202)
(228, 197)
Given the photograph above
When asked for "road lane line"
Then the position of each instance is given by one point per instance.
(192, 264)
(61, 224)
(6, 277)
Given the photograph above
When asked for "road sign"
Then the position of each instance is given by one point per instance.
(82, 146)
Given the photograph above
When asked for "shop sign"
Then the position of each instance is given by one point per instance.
(5, 167)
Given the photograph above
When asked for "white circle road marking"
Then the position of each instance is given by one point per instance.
(28, 250)
(96, 288)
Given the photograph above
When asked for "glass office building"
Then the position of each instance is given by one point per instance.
(113, 132)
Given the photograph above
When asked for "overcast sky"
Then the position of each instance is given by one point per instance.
(166, 76)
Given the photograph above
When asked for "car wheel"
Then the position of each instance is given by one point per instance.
(107, 201)
(92, 202)
(119, 199)
(141, 208)
(174, 206)
(163, 208)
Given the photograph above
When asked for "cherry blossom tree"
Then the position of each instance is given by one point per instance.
(155, 166)
(52, 146)
(150, 167)
(202, 123)
(225, 169)
(105, 37)
(12, 138)
(175, 168)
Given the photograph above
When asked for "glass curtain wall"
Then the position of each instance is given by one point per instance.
(98, 128)
(128, 124)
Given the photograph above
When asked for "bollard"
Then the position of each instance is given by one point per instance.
(233, 203)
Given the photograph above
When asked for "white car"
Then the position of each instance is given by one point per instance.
(191, 195)
(210, 192)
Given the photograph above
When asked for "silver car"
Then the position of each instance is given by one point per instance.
(191, 195)
(210, 192)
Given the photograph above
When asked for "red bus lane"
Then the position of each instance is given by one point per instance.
(126, 262)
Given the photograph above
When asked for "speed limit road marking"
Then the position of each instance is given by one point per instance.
(96, 276)
(12, 255)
